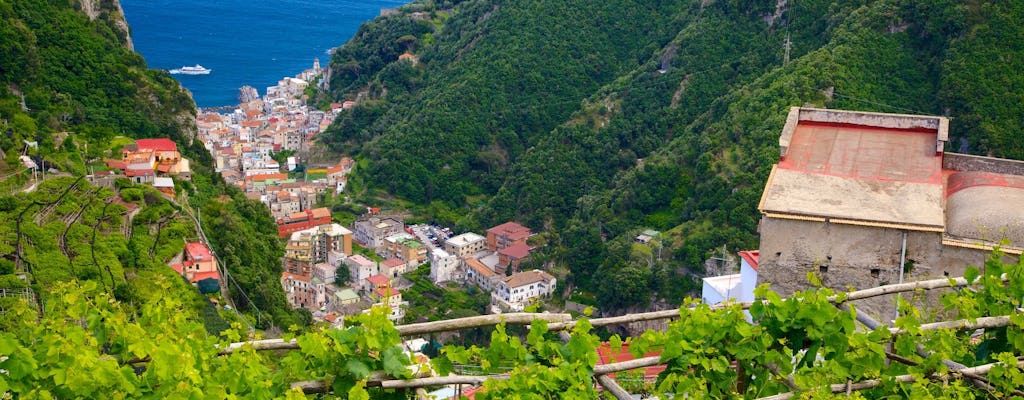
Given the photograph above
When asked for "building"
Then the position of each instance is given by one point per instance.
(300, 291)
(511, 256)
(739, 287)
(325, 272)
(478, 274)
(164, 185)
(298, 253)
(375, 282)
(866, 199)
(303, 220)
(372, 232)
(465, 245)
(360, 268)
(393, 267)
(444, 267)
(507, 234)
(198, 263)
(392, 299)
(405, 248)
(515, 292)
(332, 237)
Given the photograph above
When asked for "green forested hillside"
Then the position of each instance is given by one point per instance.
(69, 84)
(596, 121)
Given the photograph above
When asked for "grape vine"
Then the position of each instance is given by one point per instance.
(811, 344)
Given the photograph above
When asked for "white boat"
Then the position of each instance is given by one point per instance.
(196, 70)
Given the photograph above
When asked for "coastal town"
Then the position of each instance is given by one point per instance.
(376, 251)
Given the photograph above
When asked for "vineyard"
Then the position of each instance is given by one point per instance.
(813, 344)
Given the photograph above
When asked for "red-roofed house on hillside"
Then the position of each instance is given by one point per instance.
(198, 263)
(511, 256)
(507, 234)
(163, 149)
(303, 220)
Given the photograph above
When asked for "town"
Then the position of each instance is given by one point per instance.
(243, 144)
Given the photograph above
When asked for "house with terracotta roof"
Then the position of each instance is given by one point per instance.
(479, 274)
(507, 234)
(375, 282)
(514, 293)
(511, 256)
(198, 263)
(392, 299)
(863, 199)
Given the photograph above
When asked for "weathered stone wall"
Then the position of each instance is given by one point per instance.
(964, 162)
(854, 257)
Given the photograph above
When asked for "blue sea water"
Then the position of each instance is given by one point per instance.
(244, 42)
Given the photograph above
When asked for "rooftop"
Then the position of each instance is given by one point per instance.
(726, 285)
(359, 259)
(378, 280)
(860, 168)
(511, 230)
(519, 250)
(752, 257)
(479, 267)
(346, 294)
(159, 144)
(464, 239)
(392, 263)
(198, 251)
(527, 278)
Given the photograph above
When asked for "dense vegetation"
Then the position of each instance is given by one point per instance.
(69, 84)
(593, 122)
(807, 346)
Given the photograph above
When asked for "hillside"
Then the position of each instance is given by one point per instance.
(596, 122)
(72, 94)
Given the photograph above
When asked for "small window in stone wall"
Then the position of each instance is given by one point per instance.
(822, 269)
(875, 272)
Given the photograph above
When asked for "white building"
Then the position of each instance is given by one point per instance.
(738, 287)
(515, 292)
(465, 245)
(444, 267)
(360, 268)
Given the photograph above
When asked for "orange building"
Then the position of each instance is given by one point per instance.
(507, 234)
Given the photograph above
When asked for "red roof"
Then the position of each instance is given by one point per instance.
(607, 356)
(519, 250)
(387, 292)
(392, 263)
(115, 164)
(177, 268)
(294, 277)
(511, 230)
(378, 280)
(198, 251)
(159, 144)
(204, 275)
(132, 172)
(751, 257)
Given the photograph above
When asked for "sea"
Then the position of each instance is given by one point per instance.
(243, 42)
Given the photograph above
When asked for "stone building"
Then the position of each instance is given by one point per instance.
(866, 199)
